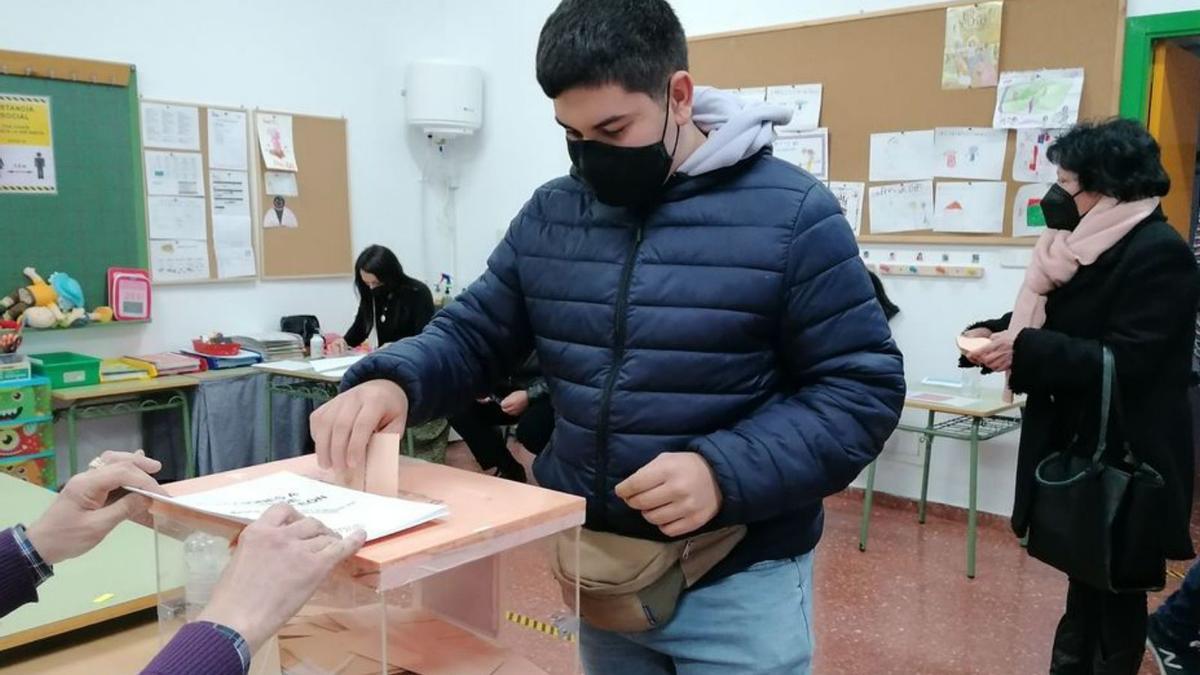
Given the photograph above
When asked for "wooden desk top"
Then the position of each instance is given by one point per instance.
(487, 515)
(953, 402)
(115, 578)
(127, 388)
(310, 375)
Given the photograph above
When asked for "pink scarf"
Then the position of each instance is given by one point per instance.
(1059, 254)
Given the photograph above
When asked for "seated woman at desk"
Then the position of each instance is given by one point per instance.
(390, 303)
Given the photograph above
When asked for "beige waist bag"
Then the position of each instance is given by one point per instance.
(631, 585)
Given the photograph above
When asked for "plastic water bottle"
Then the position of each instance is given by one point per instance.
(316, 347)
(205, 557)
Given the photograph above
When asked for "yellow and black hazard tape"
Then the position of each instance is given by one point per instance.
(540, 626)
(33, 189)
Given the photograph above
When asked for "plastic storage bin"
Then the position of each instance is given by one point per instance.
(24, 401)
(40, 470)
(33, 438)
(67, 369)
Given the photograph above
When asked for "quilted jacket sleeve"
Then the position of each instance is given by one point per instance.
(846, 374)
(473, 342)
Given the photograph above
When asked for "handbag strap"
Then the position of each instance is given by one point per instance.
(1106, 389)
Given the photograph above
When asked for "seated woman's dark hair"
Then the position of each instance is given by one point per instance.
(380, 261)
(1117, 157)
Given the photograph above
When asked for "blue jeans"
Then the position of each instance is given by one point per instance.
(1180, 614)
(755, 622)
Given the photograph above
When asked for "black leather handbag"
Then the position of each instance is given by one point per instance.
(1099, 519)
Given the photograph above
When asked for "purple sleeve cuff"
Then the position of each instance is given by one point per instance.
(18, 583)
(198, 649)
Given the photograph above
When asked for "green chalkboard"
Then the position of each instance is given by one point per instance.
(97, 218)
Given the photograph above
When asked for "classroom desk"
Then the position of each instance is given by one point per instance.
(126, 398)
(114, 579)
(313, 386)
(972, 420)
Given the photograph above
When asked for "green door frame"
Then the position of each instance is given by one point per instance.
(1140, 34)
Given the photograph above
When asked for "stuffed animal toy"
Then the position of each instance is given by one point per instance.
(12, 306)
(102, 314)
(40, 293)
(70, 293)
(41, 317)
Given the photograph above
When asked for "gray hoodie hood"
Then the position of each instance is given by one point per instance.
(735, 130)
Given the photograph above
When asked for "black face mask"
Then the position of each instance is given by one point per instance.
(622, 176)
(380, 291)
(1059, 208)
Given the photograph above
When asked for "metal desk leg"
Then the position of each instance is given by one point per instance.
(925, 469)
(270, 416)
(972, 515)
(72, 449)
(868, 497)
(189, 453)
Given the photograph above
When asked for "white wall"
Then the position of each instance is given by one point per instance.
(1143, 7)
(315, 57)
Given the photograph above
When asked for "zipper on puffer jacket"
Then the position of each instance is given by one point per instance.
(619, 321)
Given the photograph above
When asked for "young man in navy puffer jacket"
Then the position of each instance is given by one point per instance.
(711, 339)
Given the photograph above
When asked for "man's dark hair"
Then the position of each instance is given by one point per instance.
(1117, 157)
(637, 44)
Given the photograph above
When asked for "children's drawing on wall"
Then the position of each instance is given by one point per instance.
(972, 52)
(1028, 219)
(901, 207)
(1038, 99)
(1029, 162)
(808, 150)
(970, 152)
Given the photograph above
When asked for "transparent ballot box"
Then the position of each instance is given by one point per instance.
(472, 592)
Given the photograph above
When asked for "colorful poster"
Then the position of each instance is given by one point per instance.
(850, 197)
(967, 152)
(804, 100)
(275, 140)
(974, 207)
(904, 155)
(901, 207)
(1029, 161)
(808, 150)
(1038, 99)
(1028, 219)
(26, 145)
(972, 54)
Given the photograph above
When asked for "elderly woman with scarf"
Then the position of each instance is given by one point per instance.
(1108, 272)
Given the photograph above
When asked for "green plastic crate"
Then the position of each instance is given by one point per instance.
(67, 369)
